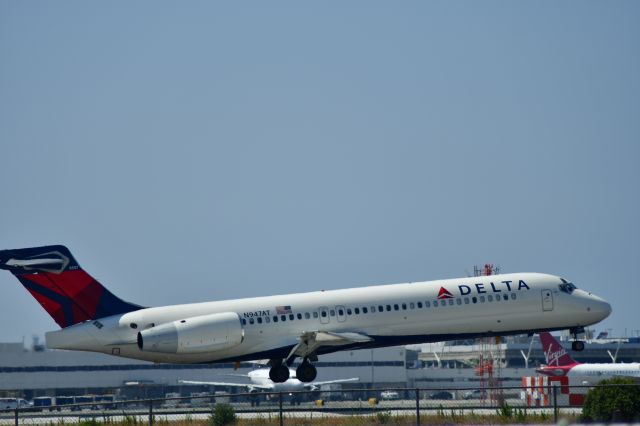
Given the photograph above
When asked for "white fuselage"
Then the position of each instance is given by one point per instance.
(261, 378)
(477, 306)
(605, 371)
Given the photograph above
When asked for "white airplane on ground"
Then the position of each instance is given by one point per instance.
(260, 381)
(560, 363)
(305, 325)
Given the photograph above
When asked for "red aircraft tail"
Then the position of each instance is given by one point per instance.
(61, 286)
(554, 353)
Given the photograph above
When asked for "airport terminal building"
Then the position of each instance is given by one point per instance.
(37, 372)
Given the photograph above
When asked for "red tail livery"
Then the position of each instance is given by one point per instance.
(61, 286)
(554, 353)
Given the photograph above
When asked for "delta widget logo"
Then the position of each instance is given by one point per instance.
(444, 294)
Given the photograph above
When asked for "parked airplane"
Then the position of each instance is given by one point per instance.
(305, 325)
(260, 381)
(560, 363)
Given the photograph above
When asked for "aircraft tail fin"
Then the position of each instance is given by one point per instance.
(61, 286)
(554, 353)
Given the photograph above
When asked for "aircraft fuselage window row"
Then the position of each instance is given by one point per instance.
(324, 313)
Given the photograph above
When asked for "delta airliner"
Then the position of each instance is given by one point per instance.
(303, 325)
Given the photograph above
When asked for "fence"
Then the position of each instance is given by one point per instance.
(291, 408)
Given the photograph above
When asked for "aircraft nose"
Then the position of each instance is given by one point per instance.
(600, 307)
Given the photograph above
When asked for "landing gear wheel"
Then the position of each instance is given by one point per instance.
(577, 346)
(279, 373)
(306, 372)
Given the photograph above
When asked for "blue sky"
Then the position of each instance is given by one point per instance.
(207, 150)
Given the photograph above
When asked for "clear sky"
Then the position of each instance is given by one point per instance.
(192, 151)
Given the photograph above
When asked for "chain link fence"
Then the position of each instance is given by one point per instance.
(293, 408)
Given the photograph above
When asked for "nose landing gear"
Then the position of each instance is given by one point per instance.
(576, 345)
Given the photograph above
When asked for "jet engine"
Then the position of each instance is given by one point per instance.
(205, 333)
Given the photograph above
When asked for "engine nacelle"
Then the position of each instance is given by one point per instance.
(205, 333)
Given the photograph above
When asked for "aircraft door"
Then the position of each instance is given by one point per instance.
(341, 313)
(324, 314)
(547, 300)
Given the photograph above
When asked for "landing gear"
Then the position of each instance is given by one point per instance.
(576, 345)
(306, 372)
(279, 373)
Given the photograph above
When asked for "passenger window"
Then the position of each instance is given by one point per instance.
(283, 317)
(459, 301)
(306, 315)
(380, 308)
(427, 304)
(251, 321)
(348, 311)
(412, 305)
(244, 321)
(505, 297)
(396, 307)
(513, 296)
(364, 310)
(275, 318)
(489, 298)
(291, 317)
(388, 308)
(267, 320)
(299, 316)
(315, 315)
(340, 312)
(357, 311)
(332, 312)
(474, 299)
(259, 320)
(481, 299)
(466, 300)
(324, 314)
(450, 302)
(435, 303)
(420, 305)
(404, 306)
(373, 309)
(497, 298)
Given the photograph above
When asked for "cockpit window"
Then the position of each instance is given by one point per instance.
(566, 286)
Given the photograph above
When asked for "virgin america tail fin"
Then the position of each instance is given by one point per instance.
(554, 353)
(61, 286)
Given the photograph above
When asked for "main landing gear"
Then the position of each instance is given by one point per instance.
(306, 372)
(576, 345)
(279, 372)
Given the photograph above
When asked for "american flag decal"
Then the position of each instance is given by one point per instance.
(282, 310)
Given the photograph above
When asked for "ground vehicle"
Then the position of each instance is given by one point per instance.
(441, 395)
(389, 395)
(44, 402)
(13, 403)
(473, 394)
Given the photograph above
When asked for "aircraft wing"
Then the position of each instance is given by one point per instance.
(310, 341)
(238, 385)
(315, 385)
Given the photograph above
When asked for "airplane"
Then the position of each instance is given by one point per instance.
(301, 325)
(560, 363)
(260, 381)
